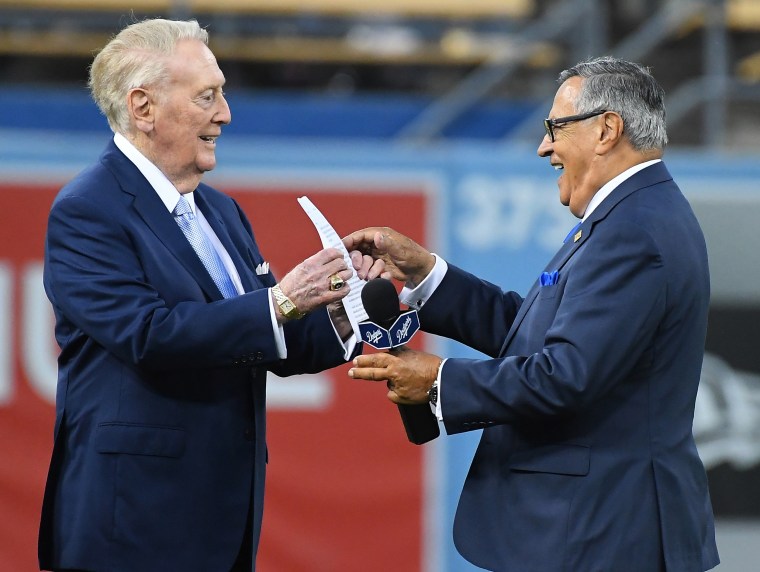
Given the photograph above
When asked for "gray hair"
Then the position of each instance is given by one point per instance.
(630, 90)
(135, 57)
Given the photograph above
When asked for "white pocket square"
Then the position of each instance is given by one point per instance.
(262, 268)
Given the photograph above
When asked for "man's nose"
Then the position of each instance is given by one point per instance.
(223, 115)
(545, 147)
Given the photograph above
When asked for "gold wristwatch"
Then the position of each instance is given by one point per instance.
(286, 305)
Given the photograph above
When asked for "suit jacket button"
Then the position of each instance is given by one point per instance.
(248, 434)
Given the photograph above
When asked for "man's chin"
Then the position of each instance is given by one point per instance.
(205, 166)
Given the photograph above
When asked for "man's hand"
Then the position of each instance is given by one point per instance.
(308, 284)
(405, 260)
(410, 374)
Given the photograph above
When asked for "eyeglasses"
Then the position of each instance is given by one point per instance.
(550, 124)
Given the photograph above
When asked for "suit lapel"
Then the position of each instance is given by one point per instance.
(652, 175)
(149, 207)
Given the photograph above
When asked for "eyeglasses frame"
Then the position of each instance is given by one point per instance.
(550, 124)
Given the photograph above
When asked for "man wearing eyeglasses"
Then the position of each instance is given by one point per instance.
(587, 461)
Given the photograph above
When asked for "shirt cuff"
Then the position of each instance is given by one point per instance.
(279, 332)
(438, 408)
(416, 297)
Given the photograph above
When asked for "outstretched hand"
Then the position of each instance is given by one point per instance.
(404, 259)
(409, 373)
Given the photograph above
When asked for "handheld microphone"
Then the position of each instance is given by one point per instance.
(390, 328)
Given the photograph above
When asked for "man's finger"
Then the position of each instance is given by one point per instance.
(359, 240)
(380, 360)
(368, 373)
(325, 256)
(376, 270)
(357, 259)
(382, 241)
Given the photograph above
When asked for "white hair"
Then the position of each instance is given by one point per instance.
(135, 57)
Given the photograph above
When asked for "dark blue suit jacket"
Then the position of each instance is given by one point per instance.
(160, 411)
(587, 460)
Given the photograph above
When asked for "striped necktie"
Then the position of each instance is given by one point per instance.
(186, 220)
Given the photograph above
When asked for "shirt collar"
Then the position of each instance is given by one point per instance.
(166, 191)
(611, 185)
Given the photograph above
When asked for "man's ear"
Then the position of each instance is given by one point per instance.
(140, 107)
(611, 133)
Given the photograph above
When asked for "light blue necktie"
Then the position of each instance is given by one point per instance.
(186, 220)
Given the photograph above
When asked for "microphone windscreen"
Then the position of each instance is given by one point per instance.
(380, 300)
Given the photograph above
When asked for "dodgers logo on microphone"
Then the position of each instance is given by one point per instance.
(379, 338)
(401, 331)
(405, 327)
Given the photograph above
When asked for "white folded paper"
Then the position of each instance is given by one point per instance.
(330, 239)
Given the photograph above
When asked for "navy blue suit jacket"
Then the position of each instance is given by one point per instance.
(587, 461)
(160, 409)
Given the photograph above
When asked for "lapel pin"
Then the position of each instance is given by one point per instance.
(577, 236)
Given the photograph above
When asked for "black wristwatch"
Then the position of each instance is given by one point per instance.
(433, 394)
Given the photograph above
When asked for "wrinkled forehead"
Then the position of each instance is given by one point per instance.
(566, 97)
(193, 62)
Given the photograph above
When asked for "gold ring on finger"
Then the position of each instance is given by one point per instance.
(336, 282)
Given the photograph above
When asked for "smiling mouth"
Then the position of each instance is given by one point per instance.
(558, 166)
(207, 139)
